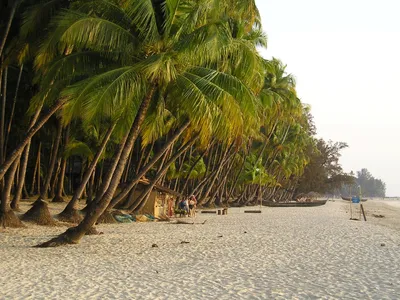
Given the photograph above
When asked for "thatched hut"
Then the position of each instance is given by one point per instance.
(161, 201)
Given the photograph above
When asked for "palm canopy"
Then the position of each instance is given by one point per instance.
(110, 54)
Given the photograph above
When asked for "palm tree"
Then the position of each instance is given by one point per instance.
(154, 53)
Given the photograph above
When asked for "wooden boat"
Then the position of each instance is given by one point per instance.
(349, 199)
(295, 204)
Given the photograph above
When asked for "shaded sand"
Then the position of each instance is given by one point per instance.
(286, 253)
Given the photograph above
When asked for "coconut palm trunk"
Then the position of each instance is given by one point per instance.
(222, 182)
(24, 164)
(8, 26)
(35, 171)
(59, 184)
(160, 173)
(7, 216)
(215, 178)
(20, 147)
(181, 163)
(191, 169)
(235, 181)
(146, 193)
(13, 109)
(22, 175)
(52, 164)
(69, 214)
(214, 175)
(149, 165)
(109, 175)
(39, 212)
(3, 115)
(74, 235)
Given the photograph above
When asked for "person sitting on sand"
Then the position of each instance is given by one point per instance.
(192, 206)
(182, 207)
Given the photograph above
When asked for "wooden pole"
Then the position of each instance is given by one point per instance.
(362, 209)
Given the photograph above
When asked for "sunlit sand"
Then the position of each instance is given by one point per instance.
(279, 254)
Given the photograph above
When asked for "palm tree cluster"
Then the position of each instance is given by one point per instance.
(99, 94)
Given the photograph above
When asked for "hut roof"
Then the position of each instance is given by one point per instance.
(160, 188)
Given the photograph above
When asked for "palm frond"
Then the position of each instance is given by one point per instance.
(143, 16)
(104, 95)
(78, 148)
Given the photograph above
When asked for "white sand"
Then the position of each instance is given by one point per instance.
(287, 253)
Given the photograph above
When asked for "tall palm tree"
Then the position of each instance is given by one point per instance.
(156, 49)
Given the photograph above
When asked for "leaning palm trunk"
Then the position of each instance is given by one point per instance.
(22, 175)
(191, 169)
(145, 194)
(3, 115)
(235, 181)
(222, 182)
(7, 216)
(8, 26)
(35, 171)
(59, 184)
(109, 176)
(20, 147)
(46, 185)
(224, 160)
(69, 214)
(211, 171)
(54, 181)
(39, 212)
(74, 235)
(148, 166)
(23, 167)
(161, 172)
(181, 163)
(13, 109)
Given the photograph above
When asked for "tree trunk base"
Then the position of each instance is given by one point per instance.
(92, 231)
(85, 209)
(106, 218)
(16, 208)
(39, 214)
(70, 216)
(58, 199)
(71, 236)
(68, 237)
(9, 219)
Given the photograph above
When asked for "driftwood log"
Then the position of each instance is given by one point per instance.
(189, 223)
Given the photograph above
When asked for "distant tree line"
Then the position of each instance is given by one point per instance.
(370, 186)
(323, 174)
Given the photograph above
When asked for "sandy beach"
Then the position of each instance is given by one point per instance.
(282, 253)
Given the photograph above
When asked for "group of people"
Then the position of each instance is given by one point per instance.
(188, 206)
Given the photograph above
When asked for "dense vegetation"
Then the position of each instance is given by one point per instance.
(99, 94)
(324, 174)
(370, 186)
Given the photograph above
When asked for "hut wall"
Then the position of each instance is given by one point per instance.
(148, 208)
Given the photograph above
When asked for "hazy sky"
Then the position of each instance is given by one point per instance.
(345, 55)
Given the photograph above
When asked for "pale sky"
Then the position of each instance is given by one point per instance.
(345, 56)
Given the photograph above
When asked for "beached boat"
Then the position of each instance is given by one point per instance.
(349, 199)
(295, 204)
